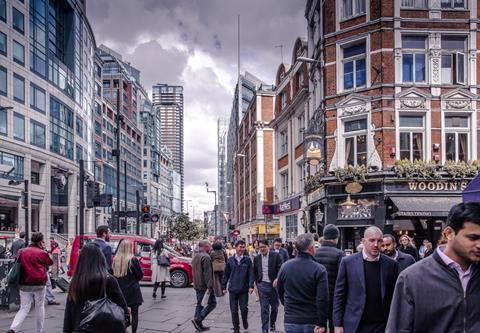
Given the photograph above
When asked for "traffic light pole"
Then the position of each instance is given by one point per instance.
(27, 227)
(82, 202)
(137, 197)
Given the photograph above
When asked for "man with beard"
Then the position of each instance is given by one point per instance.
(389, 246)
(103, 237)
(441, 293)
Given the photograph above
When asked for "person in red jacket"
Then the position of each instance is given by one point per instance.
(35, 261)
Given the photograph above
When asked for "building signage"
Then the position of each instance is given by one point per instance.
(427, 186)
(287, 206)
(316, 195)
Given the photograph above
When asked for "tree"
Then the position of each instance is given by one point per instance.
(184, 230)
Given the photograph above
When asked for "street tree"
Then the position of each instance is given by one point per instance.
(184, 230)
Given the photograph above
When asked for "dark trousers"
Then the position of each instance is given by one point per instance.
(268, 304)
(242, 301)
(372, 327)
(134, 311)
(202, 312)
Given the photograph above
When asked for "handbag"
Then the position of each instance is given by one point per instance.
(163, 260)
(103, 315)
(14, 274)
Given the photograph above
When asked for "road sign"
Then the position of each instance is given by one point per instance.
(236, 232)
(154, 218)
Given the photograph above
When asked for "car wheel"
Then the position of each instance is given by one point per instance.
(178, 279)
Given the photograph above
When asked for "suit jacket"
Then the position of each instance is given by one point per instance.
(350, 291)
(283, 253)
(404, 260)
(274, 263)
(107, 252)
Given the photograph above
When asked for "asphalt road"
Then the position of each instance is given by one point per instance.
(172, 314)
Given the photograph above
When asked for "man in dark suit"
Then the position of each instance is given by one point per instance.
(103, 237)
(389, 248)
(18, 244)
(330, 256)
(266, 267)
(364, 288)
(277, 247)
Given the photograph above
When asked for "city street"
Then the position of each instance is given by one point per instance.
(172, 314)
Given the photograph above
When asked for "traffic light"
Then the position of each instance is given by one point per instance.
(146, 213)
(93, 194)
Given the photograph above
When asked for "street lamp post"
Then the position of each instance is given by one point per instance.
(215, 209)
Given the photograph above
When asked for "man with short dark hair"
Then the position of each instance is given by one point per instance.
(266, 266)
(103, 237)
(364, 288)
(18, 244)
(202, 271)
(35, 261)
(303, 290)
(389, 248)
(330, 256)
(277, 247)
(239, 277)
(441, 292)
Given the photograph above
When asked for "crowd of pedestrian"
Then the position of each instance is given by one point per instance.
(384, 287)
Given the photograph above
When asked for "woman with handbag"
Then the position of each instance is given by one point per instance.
(219, 260)
(127, 270)
(91, 285)
(160, 268)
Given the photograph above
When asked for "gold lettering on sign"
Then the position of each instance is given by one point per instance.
(463, 185)
(437, 186)
(422, 186)
(431, 186)
(440, 186)
(453, 186)
(412, 186)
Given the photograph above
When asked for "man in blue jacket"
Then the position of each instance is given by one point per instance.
(303, 290)
(277, 247)
(239, 277)
(103, 237)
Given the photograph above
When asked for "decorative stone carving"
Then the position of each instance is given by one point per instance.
(435, 53)
(436, 70)
(458, 104)
(354, 109)
(334, 163)
(398, 53)
(413, 103)
(473, 55)
(374, 160)
(435, 4)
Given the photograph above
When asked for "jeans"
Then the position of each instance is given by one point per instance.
(236, 300)
(49, 292)
(26, 300)
(268, 304)
(299, 328)
(202, 312)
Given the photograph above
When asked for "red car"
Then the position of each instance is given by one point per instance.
(180, 267)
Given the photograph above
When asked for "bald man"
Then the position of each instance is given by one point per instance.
(364, 288)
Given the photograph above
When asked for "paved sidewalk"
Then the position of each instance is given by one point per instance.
(172, 314)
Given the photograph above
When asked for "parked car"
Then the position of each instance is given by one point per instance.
(180, 267)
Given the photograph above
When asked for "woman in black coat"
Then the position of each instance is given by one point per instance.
(127, 270)
(90, 281)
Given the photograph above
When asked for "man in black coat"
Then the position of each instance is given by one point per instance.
(364, 288)
(277, 247)
(330, 256)
(266, 267)
(389, 246)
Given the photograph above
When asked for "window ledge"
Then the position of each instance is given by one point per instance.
(343, 20)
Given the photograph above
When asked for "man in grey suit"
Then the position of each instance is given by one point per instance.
(364, 288)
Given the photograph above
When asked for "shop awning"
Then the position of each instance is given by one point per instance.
(424, 206)
(472, 192)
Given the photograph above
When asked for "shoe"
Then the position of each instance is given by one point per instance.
(197, 326)
(10, 331)
(245, 325)
(236, 331)
(203, 328)
(163, 296)
(53, 303)
(272, 328)
(154, 295)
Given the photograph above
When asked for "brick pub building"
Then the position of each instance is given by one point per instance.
(394, 80)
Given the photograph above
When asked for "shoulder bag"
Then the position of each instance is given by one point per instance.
(14, 274)
(102, 315)
(163, 260)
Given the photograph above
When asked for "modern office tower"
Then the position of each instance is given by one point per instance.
(222, 213)
(168, 102)
(46, 101)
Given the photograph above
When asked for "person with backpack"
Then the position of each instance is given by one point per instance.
(91, 282)
(34, 261)
(160, 268)
(219, 259)
(127, 270)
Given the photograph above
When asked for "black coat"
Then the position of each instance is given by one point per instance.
(274, 263)
(130, 283)
(73, 310)
(404, 260)
(409, 250)
(106, 250)
(330, 256)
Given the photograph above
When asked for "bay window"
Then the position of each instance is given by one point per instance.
(414, 58)
(457, 137)
(354, 66)
(351, 8)
(284, 184)
(412, 129)
(453, 60)
(355, 142)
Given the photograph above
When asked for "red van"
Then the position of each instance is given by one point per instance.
(180, 267)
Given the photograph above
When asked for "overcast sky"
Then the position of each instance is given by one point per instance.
(194, 43)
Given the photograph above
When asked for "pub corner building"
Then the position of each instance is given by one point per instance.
(399, 206)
